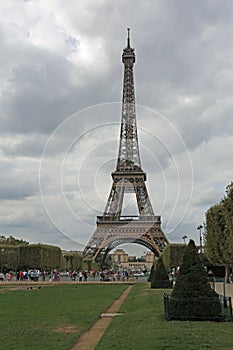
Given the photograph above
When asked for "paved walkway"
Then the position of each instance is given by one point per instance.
(90, 339)
(219, 288)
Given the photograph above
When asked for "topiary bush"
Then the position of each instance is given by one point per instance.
(192, 297)
(160, 277)
(151, 273)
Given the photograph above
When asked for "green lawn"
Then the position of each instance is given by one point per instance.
(142, 326)
(52, 317)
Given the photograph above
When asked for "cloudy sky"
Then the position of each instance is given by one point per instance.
(61, 85)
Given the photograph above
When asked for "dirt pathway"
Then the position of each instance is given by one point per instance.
(89, 339)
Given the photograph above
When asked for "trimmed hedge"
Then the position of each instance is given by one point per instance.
(160, 277)
(8, 257)
(192, 297)
(41, 256)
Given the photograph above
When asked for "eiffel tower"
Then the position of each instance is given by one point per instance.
(113, 228)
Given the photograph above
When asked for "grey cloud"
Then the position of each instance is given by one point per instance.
(38, 96)
(17, 182)
(21, 189)
(183, 69)
(28, 146)
(208, 198)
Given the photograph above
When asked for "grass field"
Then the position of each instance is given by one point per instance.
(142, 326)
(51, 317)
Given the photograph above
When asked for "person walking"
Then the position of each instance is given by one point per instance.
(80, 276)
(85, 276)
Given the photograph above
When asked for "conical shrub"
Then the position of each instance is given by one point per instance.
(160, 277)
(192, 298)
(151, 273)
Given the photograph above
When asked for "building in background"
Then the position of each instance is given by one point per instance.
(121, 259)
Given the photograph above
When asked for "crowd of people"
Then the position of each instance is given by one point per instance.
(56, 275)
(6, 277)
(20, 276)
(35, 275)
(80, 275)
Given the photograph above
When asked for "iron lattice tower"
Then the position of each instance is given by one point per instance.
(114, 229)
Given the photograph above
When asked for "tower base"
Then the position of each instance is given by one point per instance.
(112, 232)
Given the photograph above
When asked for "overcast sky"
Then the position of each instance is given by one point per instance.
(61, 85)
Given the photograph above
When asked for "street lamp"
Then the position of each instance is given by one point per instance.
(184, 238)
(200, 228)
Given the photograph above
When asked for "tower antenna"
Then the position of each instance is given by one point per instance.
(128, 39)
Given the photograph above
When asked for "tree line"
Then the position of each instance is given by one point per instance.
(219, 231)
(18, 255)
(218, 237)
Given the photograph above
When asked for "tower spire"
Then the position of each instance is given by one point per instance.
(128, 39)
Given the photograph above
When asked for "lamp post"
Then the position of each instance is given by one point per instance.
(200, 228)
(184, 238)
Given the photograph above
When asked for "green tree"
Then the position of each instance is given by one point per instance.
(215, 234)
(227, 204)
(8, 257)
(12, 241)
(173, 254)
(192, 297)
(219, 231)
(40, 256)
(151, 273)
(74, 261)
(160, 277)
